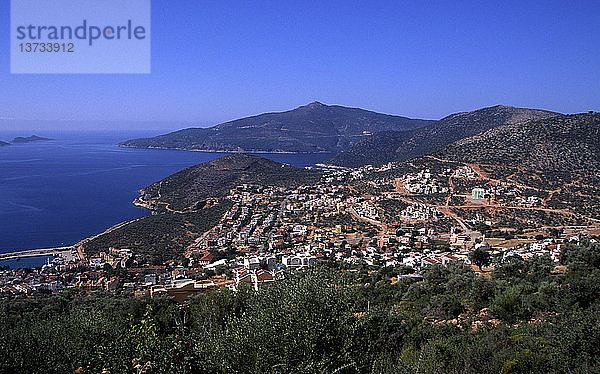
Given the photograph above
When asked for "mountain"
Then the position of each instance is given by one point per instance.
(564, 143)
(3, 143)
(311, 128)
(29, 139)
(191, 187)
(388, 146)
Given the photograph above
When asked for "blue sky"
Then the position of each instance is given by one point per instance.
(214, 61)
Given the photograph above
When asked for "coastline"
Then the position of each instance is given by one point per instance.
(132, 163)
(225, 151)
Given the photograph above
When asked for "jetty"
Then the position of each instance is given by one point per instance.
(65, 252)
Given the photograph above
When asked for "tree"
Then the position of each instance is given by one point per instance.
(480, 257)
(508, 305)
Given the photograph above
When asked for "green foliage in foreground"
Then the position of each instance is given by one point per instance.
(325, 321)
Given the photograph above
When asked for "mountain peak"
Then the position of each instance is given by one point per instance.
(315, 105)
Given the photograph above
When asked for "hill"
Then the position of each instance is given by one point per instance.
(29, 139)
(311, 128)
(389, 146)
(180, 200)
(556, 158)
(3, 143)
(158, 238)
(192, 186)
(560, 143)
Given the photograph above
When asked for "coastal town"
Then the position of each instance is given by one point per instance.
(360, 219)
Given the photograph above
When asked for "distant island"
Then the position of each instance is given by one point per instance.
(3, 143)
(29, 139)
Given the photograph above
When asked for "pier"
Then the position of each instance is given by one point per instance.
(62, 251)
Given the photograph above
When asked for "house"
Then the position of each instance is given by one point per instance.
(181, 290)
(214, 265)
(414, 276)
(251, 263)
(483, 245)
(459, 240)
(298, 261)
(478, 193)
(150, 279)
(263, 278)
(206, 259)
(267, 262)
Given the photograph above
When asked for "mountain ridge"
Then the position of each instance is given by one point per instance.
(387, 146)
(314, 127)
(558, 143)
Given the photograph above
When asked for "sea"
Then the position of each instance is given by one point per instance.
(58, 192)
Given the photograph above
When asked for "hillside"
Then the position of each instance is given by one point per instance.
(164, 236)
(390, 145)
(158, 238)
(189, 187)
(560, 143)
(555, 157)
(311, 128)
(3, 143)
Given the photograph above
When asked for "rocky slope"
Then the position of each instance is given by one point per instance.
(560, 143)
(390, 145)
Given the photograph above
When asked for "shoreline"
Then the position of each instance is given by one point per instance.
(148, 208)
(78, 245)
(226, 151)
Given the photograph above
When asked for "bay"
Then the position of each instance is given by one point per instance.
(58, 192)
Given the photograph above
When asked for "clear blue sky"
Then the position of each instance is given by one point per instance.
(218, 60)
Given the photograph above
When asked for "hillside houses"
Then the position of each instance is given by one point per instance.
(420, 212)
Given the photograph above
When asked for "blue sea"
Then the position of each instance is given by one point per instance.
(59, 192)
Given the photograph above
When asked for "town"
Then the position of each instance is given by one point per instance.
(354, 219)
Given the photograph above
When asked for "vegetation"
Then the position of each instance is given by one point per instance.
(393, 146)
(525, 318)
(480, 257)
(561, 147)
(377, 149)
(158, 238)
(392, 209)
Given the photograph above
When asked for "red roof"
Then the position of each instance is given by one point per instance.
(206, 257)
